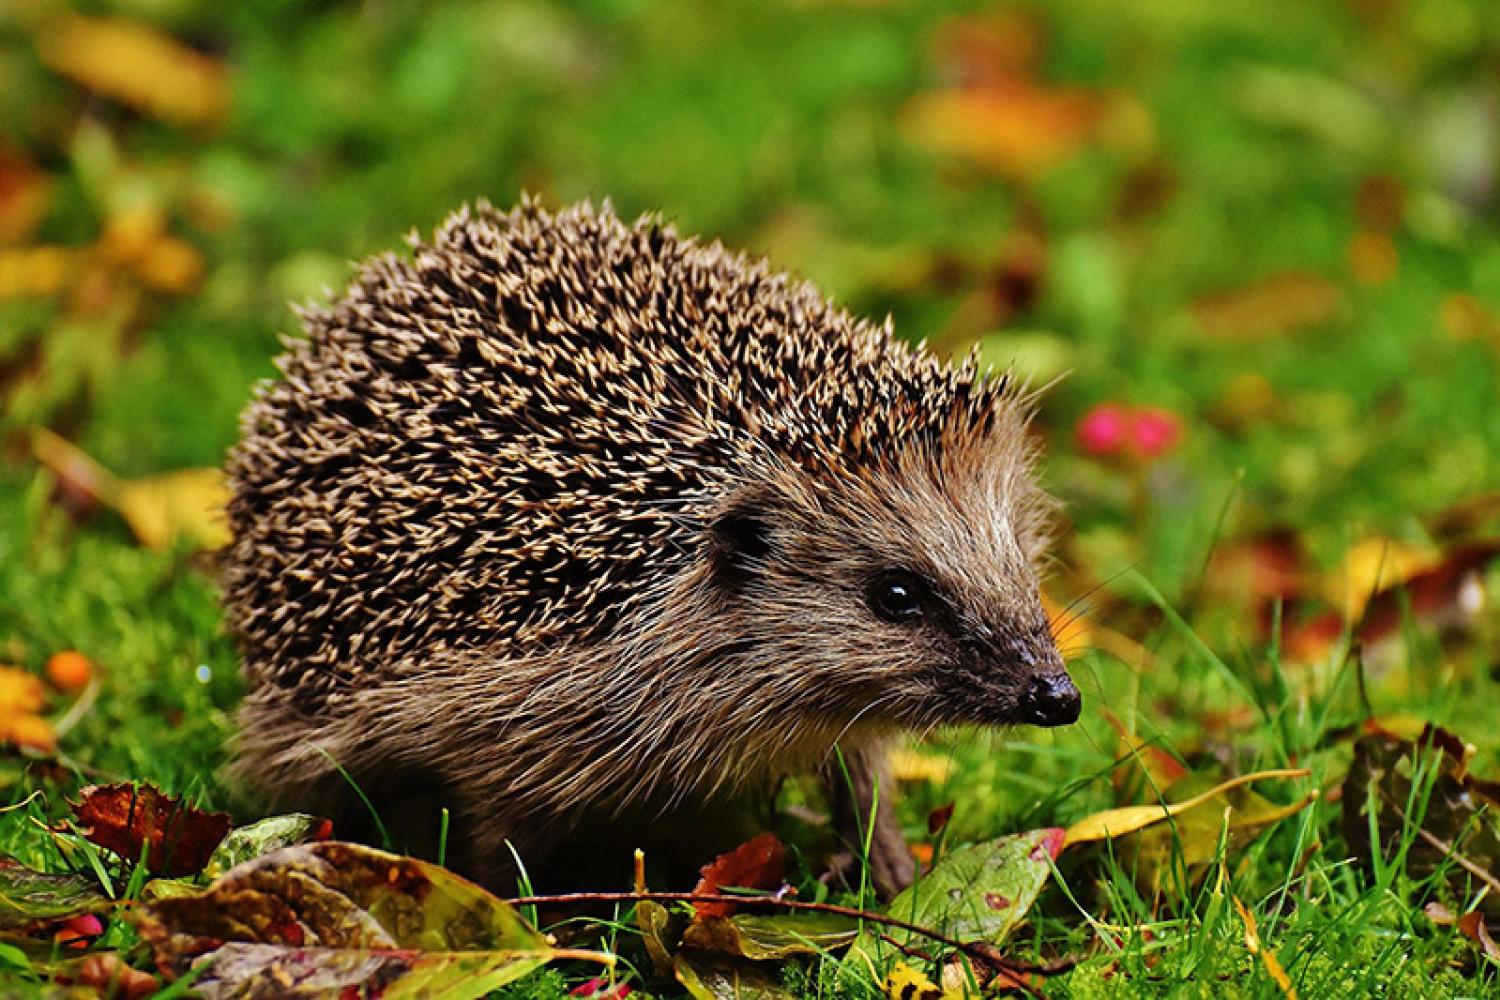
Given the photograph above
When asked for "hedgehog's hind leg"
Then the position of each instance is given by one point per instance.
(851, 782)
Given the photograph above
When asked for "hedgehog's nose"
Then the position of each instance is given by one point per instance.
(1051, 700)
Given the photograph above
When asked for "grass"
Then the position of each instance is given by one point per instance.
(1342, 144)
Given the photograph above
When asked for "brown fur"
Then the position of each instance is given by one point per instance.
(570, 518)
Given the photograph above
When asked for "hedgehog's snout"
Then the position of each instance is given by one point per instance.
(1051, 699)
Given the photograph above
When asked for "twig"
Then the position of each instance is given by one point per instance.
(984, 952)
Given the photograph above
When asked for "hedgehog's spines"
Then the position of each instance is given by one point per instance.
(509, 438)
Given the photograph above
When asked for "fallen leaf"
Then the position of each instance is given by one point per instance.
(1280, 304)
(245, 843)
(978, 893)
(1014, 129)
(1231, 817)
(127, 818)
(1371, 566)
(25, 197)
(1129, 819)
(186, 504)
(137, 238)
(913, 766)
(340, 919)
(765, 937)
(111, 977)
(1459, 831)
(21, 691)
(1448, 594)
(706, 977)
(758, 863)
(36, 272)
(654, 921)
(28, 897)
(31, 732)
(1268, 958)
(138, 66)
(21, 698)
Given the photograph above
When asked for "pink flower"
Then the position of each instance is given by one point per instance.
(1144, 433)
(1104, 429)
(596, 989)
(1154, 431)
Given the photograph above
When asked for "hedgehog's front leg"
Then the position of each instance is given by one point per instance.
(851, 781)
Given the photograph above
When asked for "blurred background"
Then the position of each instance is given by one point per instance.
(1258, 243)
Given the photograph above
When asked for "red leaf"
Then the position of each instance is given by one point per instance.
(123, 818)
(938, 818)
(758, 863)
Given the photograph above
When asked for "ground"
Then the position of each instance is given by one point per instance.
(1253, 253)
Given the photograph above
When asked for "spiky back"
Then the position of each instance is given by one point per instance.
(509, 437)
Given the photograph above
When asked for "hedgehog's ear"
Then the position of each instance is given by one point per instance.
(738, 538)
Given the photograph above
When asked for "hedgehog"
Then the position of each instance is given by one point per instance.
(560, 521)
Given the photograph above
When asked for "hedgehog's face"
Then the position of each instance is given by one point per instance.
(907, 596)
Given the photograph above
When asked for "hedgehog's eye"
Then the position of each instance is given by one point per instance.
(896, 595)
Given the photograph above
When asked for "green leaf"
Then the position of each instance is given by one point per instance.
(761, 937)
(708, 978)
(324, 917)
(654, 921)
(978, 893)
(27, 896)
(248, 842)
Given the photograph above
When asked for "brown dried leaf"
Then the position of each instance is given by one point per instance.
(1283, 303)
(1459, 833)
(124, 818)
(138, 66)
(336, 919)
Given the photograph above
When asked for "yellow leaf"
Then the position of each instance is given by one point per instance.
(1373, 565)
(188, 503)
(137, 65)
(1252, 943)
(21, 692)
(1068, 626)
(170, 264)
(35, 272)
(1129, 819)
(907, 764)
(30, 731)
